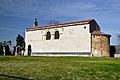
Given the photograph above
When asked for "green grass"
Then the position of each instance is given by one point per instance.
(59, 68)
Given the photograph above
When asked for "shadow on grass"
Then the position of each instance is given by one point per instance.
(14, 77)
(118, 78)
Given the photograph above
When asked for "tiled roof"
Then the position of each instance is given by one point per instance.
(73, 22)
(62, 24)
(100, 33)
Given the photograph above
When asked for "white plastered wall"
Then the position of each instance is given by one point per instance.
(72, 39)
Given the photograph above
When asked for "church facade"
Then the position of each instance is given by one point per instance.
(76, 38)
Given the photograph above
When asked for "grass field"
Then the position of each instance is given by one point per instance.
(59, 68)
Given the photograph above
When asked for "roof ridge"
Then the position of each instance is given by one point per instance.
(64, 23)
(77, 21)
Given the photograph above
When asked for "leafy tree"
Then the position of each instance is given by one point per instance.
(7, 50)
(20, 40)
(20, 43)
(6, 47)
(1, 49)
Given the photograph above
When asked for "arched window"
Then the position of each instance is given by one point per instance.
(57, 35)
(48, 36)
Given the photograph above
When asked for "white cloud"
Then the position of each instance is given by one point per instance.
(73, 9)
(44, 8)
(20, 8)
(41, 8)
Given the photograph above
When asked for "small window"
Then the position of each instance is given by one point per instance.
(84, 27)
(57, 35)
(48, 36)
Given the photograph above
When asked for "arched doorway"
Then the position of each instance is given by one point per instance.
(29, 50)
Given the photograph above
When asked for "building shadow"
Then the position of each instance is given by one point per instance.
(13, 77)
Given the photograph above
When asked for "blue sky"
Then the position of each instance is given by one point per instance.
(16, 15)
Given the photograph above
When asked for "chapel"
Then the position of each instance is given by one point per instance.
(75, 38)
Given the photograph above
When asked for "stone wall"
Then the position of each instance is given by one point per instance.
(100, 44)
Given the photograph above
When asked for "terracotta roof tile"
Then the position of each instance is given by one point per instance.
(73, 22)
(61, 24)
(100, 33)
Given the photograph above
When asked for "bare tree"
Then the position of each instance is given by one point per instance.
(118, 46)
(53, 22)
(118, 38)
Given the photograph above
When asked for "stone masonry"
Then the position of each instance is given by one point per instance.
(100, 44)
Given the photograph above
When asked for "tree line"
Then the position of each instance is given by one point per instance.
(19, 49)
